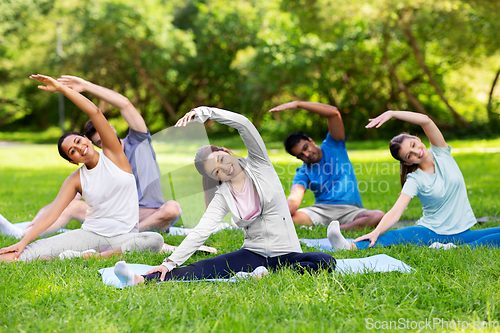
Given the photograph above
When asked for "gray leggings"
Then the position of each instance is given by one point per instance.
(82, 240)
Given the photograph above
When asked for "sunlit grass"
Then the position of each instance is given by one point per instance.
(460, 284)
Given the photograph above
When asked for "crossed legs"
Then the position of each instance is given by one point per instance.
(364, 219)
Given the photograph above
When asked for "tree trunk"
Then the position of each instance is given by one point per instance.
(412, 99)
(489, 108)
(147, 82)
(413, 43)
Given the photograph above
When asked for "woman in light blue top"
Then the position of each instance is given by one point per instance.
(435, 178)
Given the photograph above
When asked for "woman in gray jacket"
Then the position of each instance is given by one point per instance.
(249, 189)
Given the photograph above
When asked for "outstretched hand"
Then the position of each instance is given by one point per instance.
(160, 269)
(188, 117)
(286, 106)
(74, 82)
(372, 237)
(17, 249)
(49, 83)
(377, 122)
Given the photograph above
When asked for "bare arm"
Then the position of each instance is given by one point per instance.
(295, 198)
(331, 113)
(127, 109)
(431, 130)
(68, 190)
(110, 144)
(388, 220)
(208, 224)
(256, 147)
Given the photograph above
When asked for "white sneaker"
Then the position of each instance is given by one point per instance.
(68, 254)
(441, 246)
(166, 248)
(258, 273)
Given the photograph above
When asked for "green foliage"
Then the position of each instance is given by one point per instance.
(168, 57)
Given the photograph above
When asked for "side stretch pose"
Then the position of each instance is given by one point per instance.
(328, 173)
(435, 178)
(105, 181)
(154, 213)
(249, 189)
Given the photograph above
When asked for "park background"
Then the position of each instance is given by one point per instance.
(436, 57)
(365, 57)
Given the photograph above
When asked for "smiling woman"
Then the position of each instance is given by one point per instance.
(435, 178)
(248, 188)
(73, 146)
(105, 181)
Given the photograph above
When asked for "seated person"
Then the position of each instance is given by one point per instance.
(249, 189)
(328, 172)
(105, 181)
(154, 213)
(434, 177)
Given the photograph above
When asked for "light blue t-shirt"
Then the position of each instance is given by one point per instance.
(443, 195)
(332, 180)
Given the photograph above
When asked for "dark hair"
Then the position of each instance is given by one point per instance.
(293, 139)
(209, 184)
(395, 147)
(59, 144)
(89, 129)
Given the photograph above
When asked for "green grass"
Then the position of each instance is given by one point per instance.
(60, 296)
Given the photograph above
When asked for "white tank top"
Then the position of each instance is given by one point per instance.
(111, 196)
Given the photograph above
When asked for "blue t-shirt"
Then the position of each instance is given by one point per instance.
(142, 159)
(443, 195)
(332, 180)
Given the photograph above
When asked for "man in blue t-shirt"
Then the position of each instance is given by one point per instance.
(154, 213)
(328, 173)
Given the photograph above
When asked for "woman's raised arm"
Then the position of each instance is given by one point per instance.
(249, 134)
(431, 130)
(110, 144)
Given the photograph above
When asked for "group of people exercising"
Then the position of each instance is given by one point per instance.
(123, 206)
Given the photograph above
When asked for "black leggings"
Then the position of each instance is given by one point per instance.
(226, 265)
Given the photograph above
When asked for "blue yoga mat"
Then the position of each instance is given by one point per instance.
(109, 277)
(377, 263)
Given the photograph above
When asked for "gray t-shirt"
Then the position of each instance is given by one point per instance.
(142, 159)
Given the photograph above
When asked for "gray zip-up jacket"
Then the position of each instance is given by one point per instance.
(271, 233)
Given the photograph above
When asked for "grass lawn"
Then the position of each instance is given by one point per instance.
(447, 288)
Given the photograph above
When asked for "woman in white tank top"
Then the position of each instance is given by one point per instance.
(107, 184)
